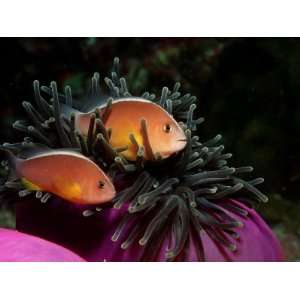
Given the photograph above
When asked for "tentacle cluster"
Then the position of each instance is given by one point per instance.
(175, 199)
(186, 199)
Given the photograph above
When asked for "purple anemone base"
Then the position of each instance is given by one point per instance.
(90, 237)
(19, 247)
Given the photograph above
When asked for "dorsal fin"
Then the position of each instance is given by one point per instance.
(32, 149)
(100, 102)
(94, 102)
(38, 150)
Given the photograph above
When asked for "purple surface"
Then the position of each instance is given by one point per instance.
(91, 237)
(19, 247)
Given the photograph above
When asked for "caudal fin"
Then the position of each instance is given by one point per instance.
(13, 162)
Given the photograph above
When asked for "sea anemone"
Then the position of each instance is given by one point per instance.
(192, 200)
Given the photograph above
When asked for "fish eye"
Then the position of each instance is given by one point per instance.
(101, 184)
(167, 128)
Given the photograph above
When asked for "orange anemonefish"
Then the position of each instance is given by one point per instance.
(164, 135)
(66, 174)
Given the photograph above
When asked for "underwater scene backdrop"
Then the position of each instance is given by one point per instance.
(247, 90)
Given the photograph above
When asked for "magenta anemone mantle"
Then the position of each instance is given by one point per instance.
(91, 237)
(20, 247)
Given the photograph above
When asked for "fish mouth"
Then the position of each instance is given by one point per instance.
(180, 145)
(107, 198)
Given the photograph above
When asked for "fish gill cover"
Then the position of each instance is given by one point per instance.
(172, 199)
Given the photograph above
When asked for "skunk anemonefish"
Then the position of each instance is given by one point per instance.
(67, 174)
(163, 134)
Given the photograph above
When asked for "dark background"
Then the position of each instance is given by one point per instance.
(248, 90)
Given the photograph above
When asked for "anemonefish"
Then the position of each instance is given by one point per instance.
(164, 136)
(69, 175)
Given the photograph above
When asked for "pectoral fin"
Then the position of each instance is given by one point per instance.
(30, 185)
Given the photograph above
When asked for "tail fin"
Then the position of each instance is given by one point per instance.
(12, 161)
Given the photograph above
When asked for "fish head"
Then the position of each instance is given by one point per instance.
(96, 189)
(104, 190)
(166, 137)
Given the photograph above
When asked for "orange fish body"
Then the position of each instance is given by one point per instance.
(68, 175)
(165, 136)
